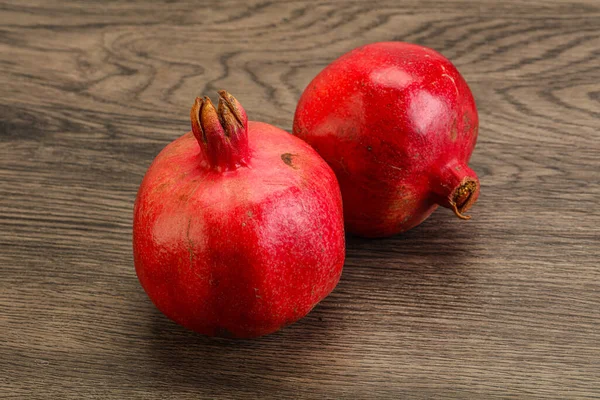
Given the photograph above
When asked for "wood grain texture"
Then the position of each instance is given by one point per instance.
(505, 305)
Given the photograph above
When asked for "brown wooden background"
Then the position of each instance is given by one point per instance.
(505, 305)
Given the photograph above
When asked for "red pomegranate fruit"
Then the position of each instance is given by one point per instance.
(238, 226)
(397, 123)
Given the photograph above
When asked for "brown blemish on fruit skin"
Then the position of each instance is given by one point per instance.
(466, 124)
(161, 188)
(190, 243)
(287, 159)
(454, 131)
(343, 166)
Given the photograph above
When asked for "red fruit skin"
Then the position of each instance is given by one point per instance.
(244, 252)
(397, 123)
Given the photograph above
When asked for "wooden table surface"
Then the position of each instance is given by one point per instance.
(504, 305)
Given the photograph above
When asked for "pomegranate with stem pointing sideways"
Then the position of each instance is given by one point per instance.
(397, 123)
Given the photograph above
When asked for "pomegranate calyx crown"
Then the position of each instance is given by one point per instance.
(222, 132)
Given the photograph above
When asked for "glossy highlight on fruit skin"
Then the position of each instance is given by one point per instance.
(397, 123)
(238, 227)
